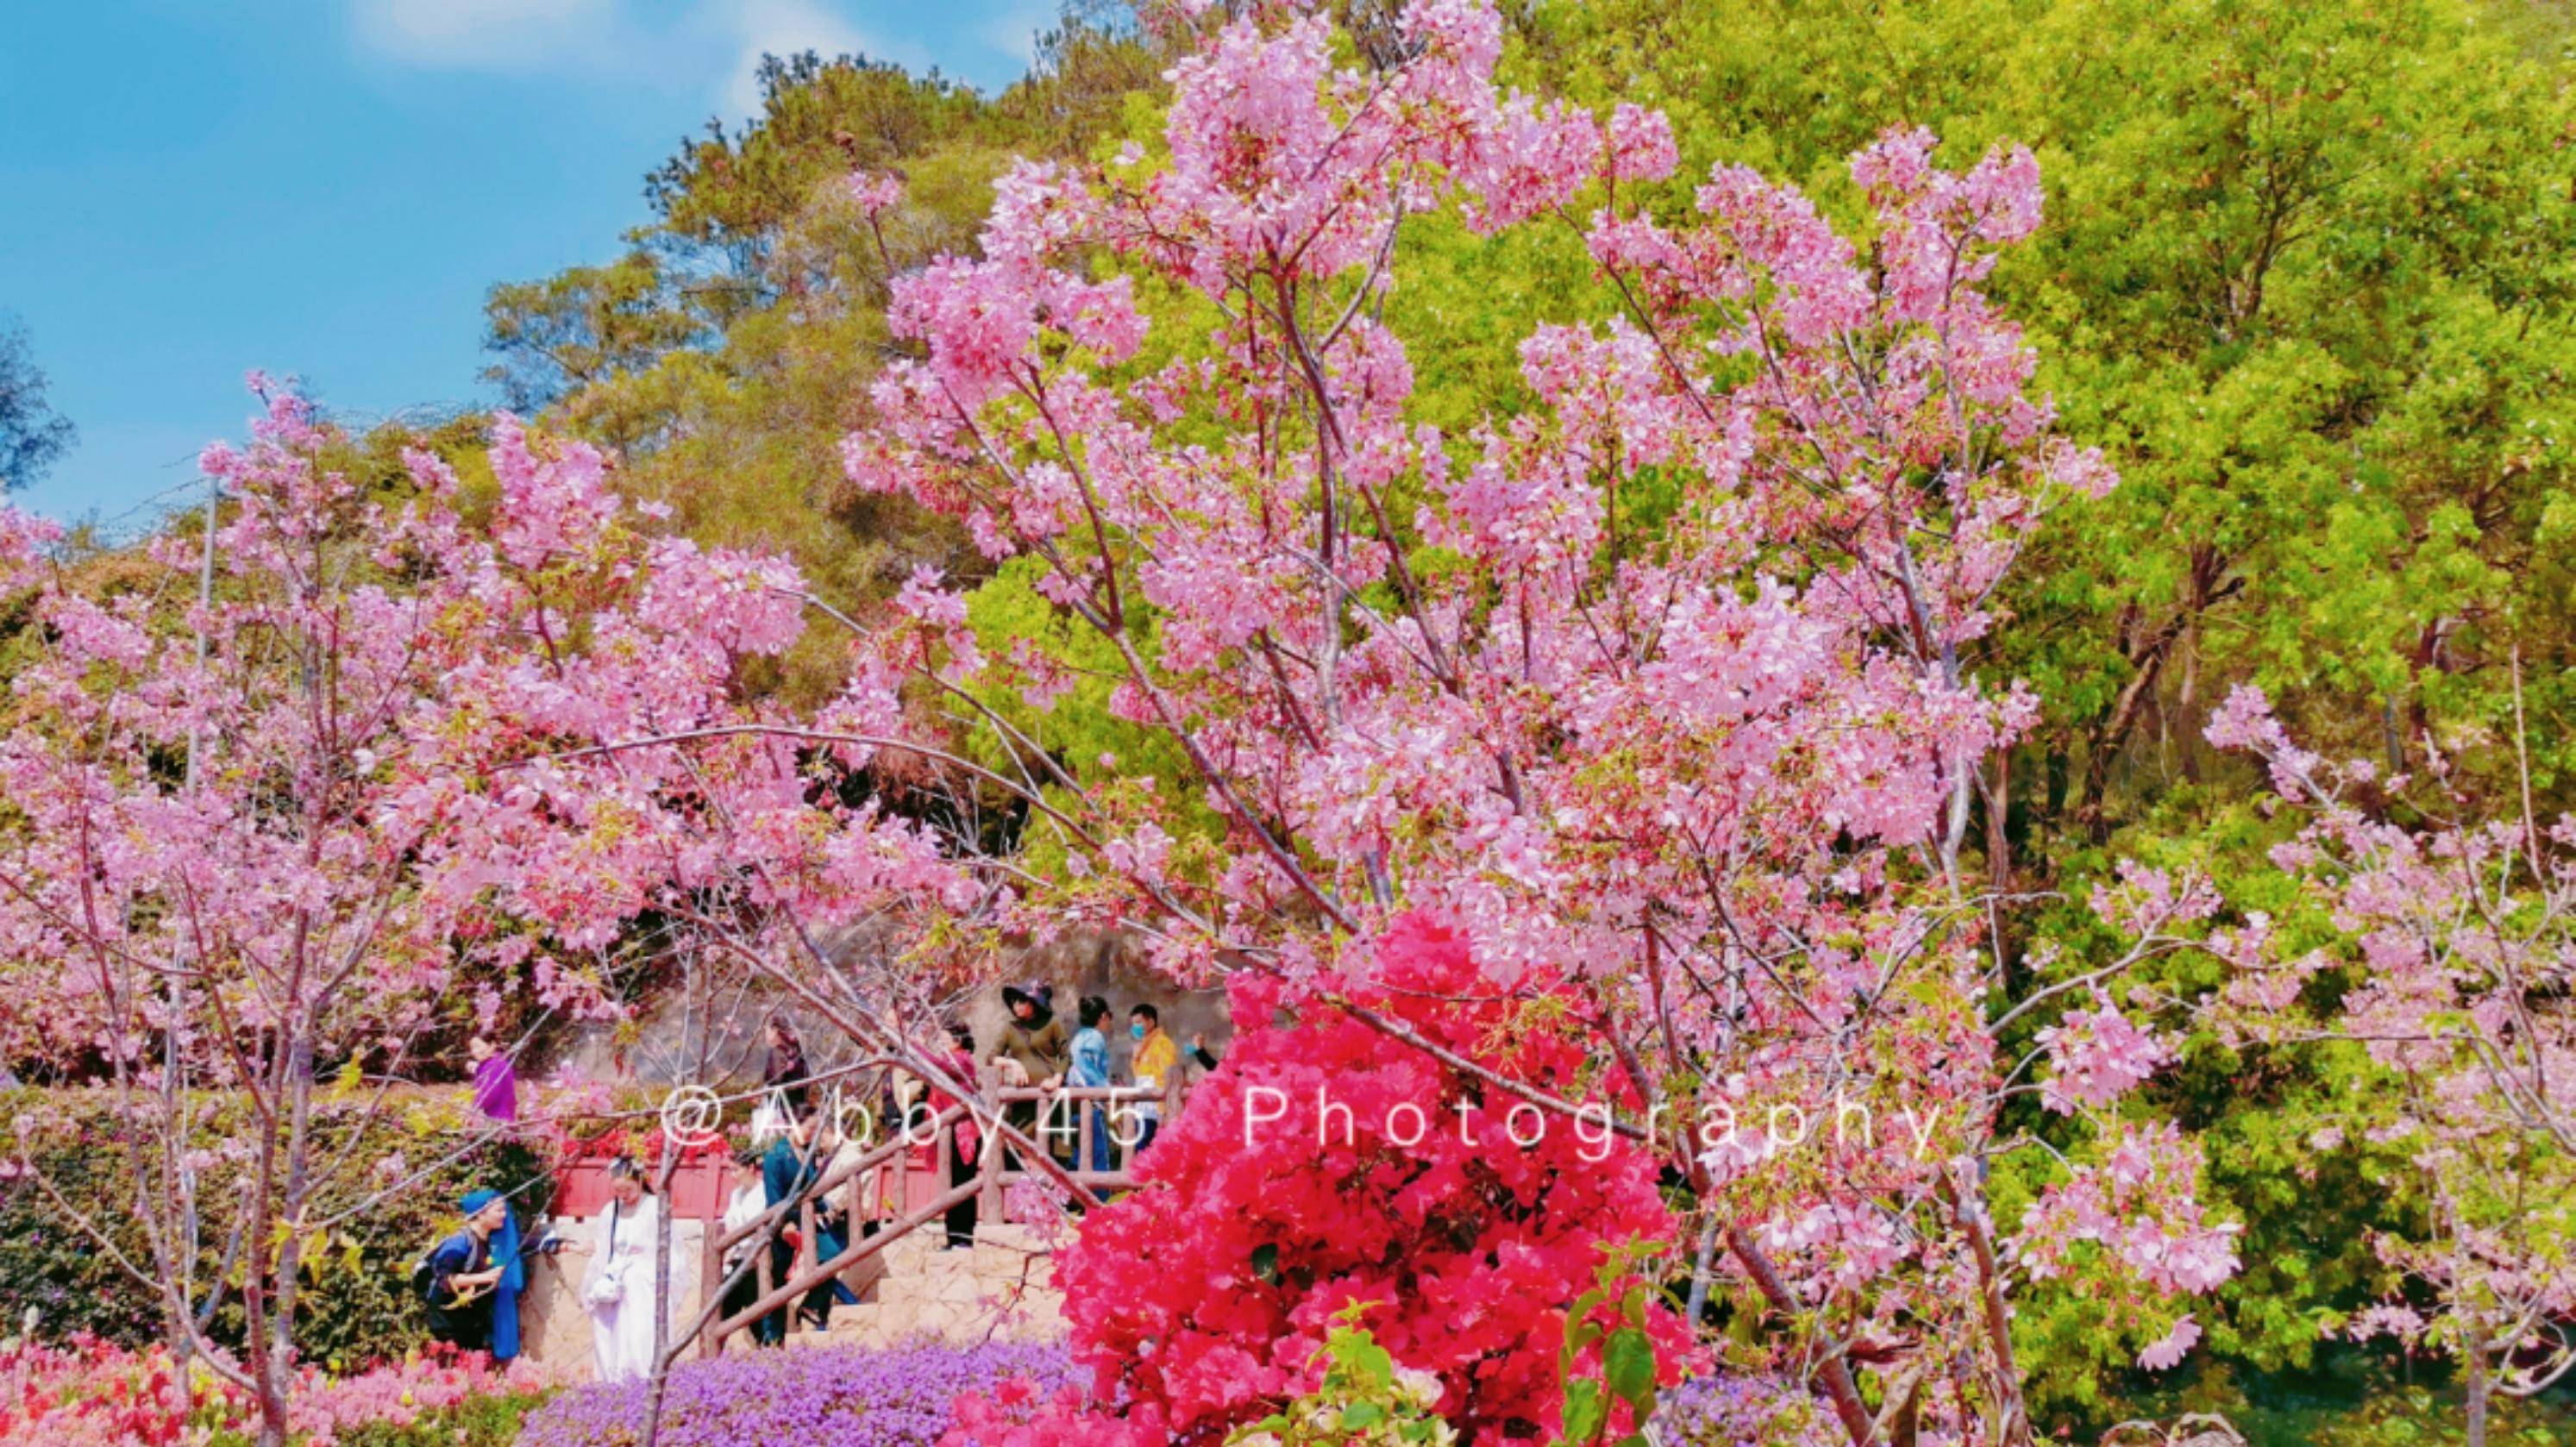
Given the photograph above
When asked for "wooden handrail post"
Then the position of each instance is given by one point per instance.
(989, 1209)
(851, 1210)
(711, 1272)
(1081, 1136)
(943, 1158)
(765, 1271)
(903, 1158)
(808, 1250)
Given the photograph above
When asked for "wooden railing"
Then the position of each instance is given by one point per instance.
(877, 1188)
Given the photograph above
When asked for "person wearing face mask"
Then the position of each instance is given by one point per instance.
(619, 1287)
(1155, 1058)
(965, 1139)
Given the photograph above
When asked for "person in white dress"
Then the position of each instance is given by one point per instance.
(749, 1202)
(619, 1286)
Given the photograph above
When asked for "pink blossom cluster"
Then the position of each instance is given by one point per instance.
(874, 192)
(402, 1393)
(1016, 1413)
(91, 1393)
(2136, 1203)
(498, 751)
(2449, 953)
(2098, 1056)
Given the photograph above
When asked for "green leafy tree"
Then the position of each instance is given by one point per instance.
(2305, 274)
(2305, 266)
(726, 355)
(32, 433)
(582, 327)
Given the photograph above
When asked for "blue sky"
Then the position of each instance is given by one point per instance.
(325, 188)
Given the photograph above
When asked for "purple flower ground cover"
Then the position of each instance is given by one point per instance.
(1726, 1410)
(799, 1397)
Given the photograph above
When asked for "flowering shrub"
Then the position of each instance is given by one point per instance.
(94, 1392)
(324, 1409)
(1297, 1186)
(1365, 1400)
(357, 1307)
(1729, 1410)
(818, 1398)
(1017, 1413)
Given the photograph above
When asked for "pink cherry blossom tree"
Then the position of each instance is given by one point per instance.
(2437, 965)
(276, 834)
(622, 786)
(1659, 681)
(1657, 687)
(223, 861)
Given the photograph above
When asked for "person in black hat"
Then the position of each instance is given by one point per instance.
(1034, 1040)
(1033, 1050)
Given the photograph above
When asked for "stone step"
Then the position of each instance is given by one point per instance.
(996, 1256)
(891, 1320)
(1000, 1288)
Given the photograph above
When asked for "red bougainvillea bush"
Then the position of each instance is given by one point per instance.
(1326, 1164)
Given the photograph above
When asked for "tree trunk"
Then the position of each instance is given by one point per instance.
(262, 1226)
(2147, 653)
(1834, 1375)
(1997, 791)
(662, 1288)
(1967, 1200)
(277, 1366)
(2479, 1391)
(1698, 1302)
(1999, 860)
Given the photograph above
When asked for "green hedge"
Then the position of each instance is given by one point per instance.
(356, 1305)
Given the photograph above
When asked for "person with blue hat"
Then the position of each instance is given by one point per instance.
(474, 1278)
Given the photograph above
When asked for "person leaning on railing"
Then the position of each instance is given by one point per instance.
(1033, 1050)
(795, 1164)
(1091, 1071)
(1155, 1059)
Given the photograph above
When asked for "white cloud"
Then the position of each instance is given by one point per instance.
(1015, 32)
(488, 34)
(781, 27)
(711, 48)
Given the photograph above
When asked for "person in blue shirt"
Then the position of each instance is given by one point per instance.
(796, 1164)
(1090, 1067)
(475, 1277)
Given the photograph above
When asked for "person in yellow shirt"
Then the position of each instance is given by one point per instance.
(1155, 1059)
